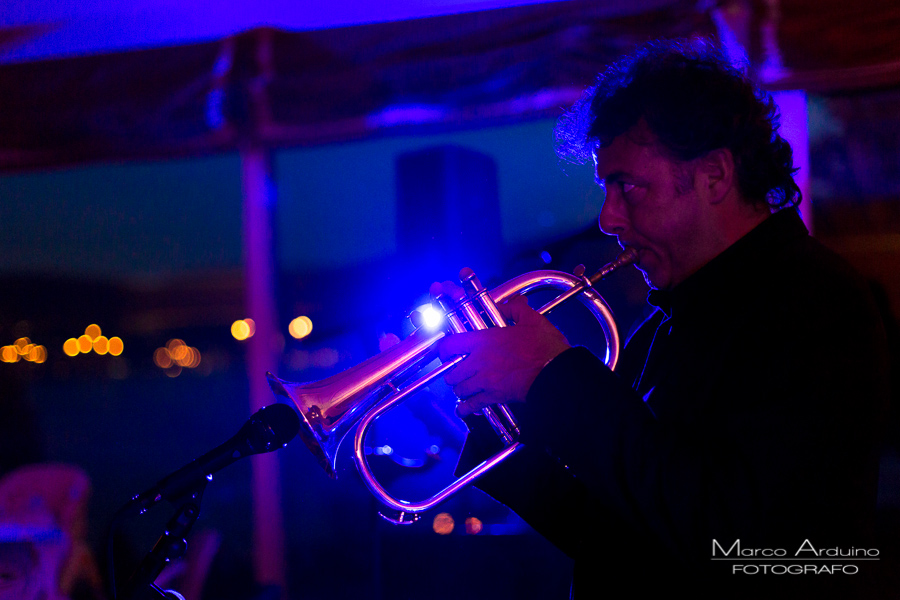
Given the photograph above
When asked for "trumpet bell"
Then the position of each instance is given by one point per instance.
(329, 409)
(321, 442)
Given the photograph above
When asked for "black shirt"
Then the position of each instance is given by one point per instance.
(745, 408)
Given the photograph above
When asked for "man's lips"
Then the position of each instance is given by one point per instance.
(634, 250)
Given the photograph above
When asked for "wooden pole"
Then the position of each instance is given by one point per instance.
(262, 356)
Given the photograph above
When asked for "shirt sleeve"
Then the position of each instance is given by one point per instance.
(774, 432)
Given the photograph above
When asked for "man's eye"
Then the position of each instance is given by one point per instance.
(627, 187)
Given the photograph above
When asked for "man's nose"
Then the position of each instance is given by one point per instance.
(612, 218)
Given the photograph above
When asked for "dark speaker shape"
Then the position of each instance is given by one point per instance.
(448, 213)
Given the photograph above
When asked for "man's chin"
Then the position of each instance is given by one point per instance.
(654, 280)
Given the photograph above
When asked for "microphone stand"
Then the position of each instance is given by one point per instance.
(171, 545)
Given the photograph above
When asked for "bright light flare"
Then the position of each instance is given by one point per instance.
(431, 317)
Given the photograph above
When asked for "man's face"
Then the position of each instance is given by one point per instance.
(650, 206)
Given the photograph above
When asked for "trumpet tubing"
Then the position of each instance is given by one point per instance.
(329, 409)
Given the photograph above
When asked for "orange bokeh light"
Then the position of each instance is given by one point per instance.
(116, 346)
(37, 354)
(101, 345)
(70, 347)
(443, 524)
(474, 526)
(85, 343)
(162, 358)
(92, 331)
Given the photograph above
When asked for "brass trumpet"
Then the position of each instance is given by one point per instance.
(330, 408)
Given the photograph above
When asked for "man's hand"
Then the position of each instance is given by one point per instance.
(503, 362)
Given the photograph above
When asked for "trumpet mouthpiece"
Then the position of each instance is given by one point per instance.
(628, 256)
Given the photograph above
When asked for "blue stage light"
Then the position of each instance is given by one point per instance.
(432, 318)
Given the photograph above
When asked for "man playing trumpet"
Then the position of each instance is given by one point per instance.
(741, 421)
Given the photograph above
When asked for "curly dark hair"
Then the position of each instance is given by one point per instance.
(694, 102)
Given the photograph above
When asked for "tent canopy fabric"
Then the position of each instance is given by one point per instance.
(283, 88)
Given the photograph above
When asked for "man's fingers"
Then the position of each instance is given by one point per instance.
(466, 389)
(452, 290)
(515, 309)
(460, 372)
(457, 344)
(464, 409)
(472, 405)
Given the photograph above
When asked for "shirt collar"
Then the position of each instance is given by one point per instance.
(720, 275)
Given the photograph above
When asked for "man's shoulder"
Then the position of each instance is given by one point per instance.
(814, 301)
(804, 273)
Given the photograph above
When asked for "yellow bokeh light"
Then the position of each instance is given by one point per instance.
(116, 346)
(70, 347)
(473, 526)
(240, 330)
(85, 343)
(92, 331)
(101, 345)
(21, 344)
(252, 325)
(300, 327)
(443, 524)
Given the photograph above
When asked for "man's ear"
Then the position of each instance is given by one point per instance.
(715, 174)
